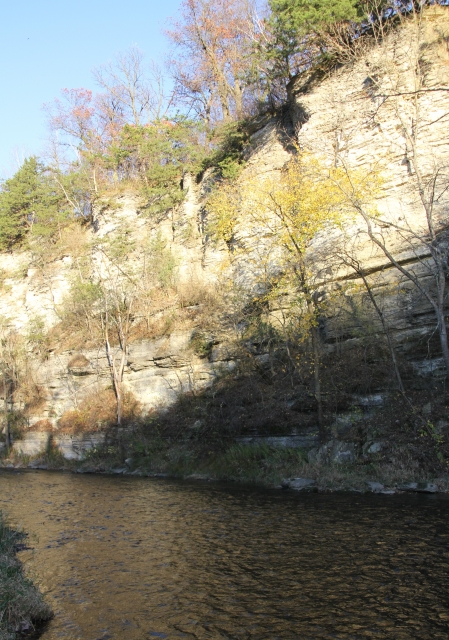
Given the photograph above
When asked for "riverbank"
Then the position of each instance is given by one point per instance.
(21, 604)
(333, 467)
(388, 447)
(248, 430)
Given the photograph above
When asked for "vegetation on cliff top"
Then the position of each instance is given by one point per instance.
(230, 60)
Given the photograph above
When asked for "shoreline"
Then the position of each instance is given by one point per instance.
(22, 607)
(381, 467)
(291, 485)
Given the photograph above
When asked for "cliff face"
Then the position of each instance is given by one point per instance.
(387, 113)
(375, 112)
(158, 369)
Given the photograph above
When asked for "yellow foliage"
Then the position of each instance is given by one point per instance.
(275, 219)
(306, 198)
(294, 208)
(225, 203)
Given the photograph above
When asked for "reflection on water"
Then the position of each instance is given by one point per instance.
(133, 558)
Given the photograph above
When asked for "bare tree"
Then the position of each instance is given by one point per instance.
(133, 89)
(354, 264)
(211, 62)
(10, 375)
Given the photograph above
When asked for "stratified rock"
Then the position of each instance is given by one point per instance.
(418, 487)
(32, 443)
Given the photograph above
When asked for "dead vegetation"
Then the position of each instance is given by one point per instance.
(98, 413)
(21, 604)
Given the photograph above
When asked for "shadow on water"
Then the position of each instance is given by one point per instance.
(134, 558)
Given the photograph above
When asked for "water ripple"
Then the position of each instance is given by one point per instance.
(133, 558)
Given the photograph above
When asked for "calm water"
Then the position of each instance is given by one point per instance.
(134, 558)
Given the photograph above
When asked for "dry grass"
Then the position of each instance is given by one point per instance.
(77, 361)
(21, 604)
(98, 412)
(41, 426)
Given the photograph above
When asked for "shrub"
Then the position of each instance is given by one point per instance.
(97, 412)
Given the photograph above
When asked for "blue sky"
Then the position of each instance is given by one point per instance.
(48, 45)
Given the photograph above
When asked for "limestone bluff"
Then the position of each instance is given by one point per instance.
(360, 112)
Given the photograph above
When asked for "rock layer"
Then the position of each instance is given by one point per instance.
(355, 113)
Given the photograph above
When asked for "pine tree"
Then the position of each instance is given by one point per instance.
(303, 16)
(298, 26)
(28, 201)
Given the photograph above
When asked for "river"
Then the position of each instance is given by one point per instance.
(137, 558)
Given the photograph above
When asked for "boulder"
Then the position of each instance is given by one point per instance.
(334, 451)
(197, 476)
(427, 409)
(79, 365)
(305, 403)
(375, 487)
(298, 484)
(37, 464)
(371, 448)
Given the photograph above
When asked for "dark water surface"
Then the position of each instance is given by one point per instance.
(135, 558)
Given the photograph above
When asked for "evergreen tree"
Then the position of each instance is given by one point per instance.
(305, 16)
(28, 201)
(157, 155)
(297, 25)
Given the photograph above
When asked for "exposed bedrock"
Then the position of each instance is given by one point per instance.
(357, 114)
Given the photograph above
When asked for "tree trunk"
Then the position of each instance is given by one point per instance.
(119, 383)
(317, 382)
(223, 95)
(7, 433)
(115, 378)
(442, 330)
(5, 405)
(386, 331)
(238, 98)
